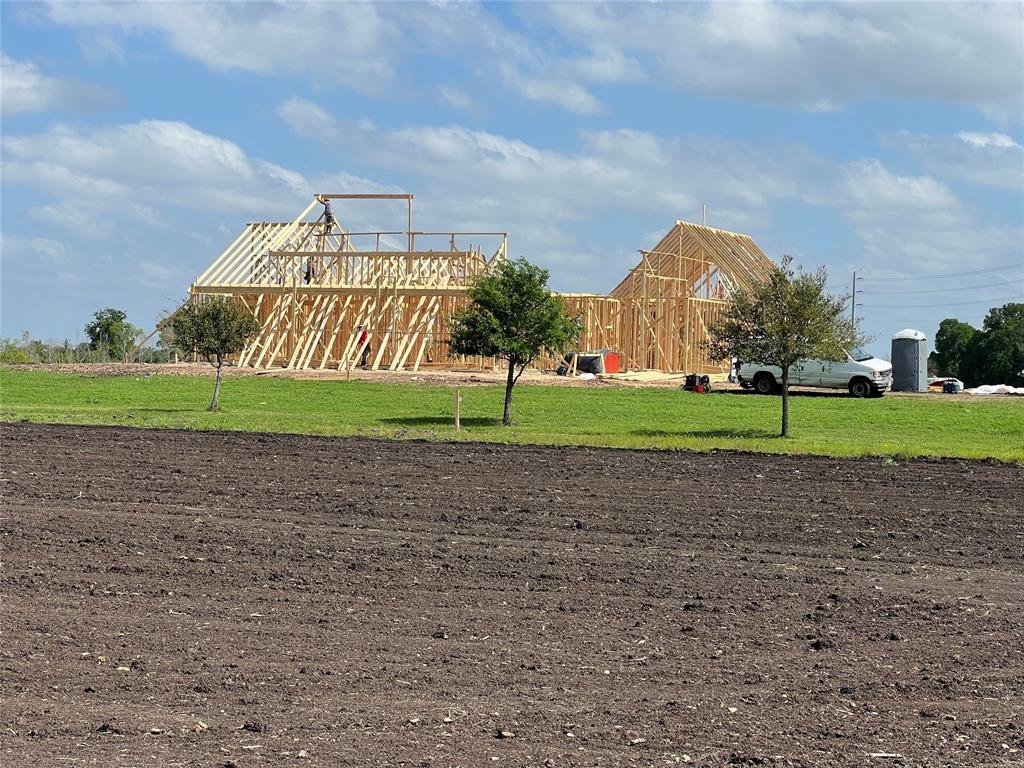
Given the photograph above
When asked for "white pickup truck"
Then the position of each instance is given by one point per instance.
(862, 374)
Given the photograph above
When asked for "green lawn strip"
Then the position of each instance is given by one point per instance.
(598, 416)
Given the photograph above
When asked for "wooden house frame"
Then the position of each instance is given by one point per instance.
(657, 318)
(313, 286)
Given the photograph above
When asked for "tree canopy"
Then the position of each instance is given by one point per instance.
(111, 334)
(951, 344)
(214, 328)
(785, 318)
(512, 316)
(992, 355)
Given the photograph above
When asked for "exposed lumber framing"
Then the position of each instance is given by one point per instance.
(658, 316)
(312, 284)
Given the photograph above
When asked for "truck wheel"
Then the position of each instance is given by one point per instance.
(860, 388)
(764, 383)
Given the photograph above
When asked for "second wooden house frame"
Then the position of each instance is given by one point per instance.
(657, 317)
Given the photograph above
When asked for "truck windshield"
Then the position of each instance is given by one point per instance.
(860, 355)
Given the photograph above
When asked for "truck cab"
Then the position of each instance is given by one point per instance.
(862, 374)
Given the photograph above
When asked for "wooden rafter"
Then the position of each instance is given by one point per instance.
(311, 283)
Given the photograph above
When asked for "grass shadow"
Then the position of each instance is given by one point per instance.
(729, 433)
(792, 393)
(440, 421)
(198, 409)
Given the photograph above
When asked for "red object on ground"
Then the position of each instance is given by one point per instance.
(611, 362)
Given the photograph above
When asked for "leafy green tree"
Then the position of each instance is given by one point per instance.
(512, 316)
(995, 354)
(787, 317)
(951, 343)
(215, 328)
(111, 334)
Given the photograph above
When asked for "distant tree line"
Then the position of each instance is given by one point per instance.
(111, 338)
(992, 355)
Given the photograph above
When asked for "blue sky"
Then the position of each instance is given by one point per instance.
(137, 139)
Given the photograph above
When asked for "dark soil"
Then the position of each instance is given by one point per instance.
(175, 598)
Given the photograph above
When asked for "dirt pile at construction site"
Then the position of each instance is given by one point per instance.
(430, 376)
(174, 598)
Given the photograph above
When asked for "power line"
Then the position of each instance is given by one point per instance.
(1018, 265)
(947, 290)
(942, 304)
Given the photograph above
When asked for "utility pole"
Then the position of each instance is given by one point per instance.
(853, 301)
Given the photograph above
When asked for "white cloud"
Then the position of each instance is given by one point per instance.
(455, 97)
(101, 46)
(310, 120)
(361, 45)
(156, 274)
(346, 43)
(869, 186)
(142, 169)
(477, 180)
(80, 218)
(988, 140)
(626, 169)
(566, 94)
(818, 57)
(137, 205)
(24, 88)
(815, 56)
(606, 64)
(994, 159)
(916, 224)
(34, 248)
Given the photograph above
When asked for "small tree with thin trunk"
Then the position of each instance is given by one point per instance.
(215, 328)
(512, 316)
(784, 319)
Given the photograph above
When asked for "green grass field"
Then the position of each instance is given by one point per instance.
(622, 418)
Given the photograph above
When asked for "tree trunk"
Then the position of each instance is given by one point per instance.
(506, 418)
(785, 402)
(214, 404)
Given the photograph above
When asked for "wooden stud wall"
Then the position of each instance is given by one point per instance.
(310, 289)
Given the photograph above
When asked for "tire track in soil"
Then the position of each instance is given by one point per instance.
(179, 598)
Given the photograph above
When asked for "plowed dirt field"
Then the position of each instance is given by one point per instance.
(206, 599)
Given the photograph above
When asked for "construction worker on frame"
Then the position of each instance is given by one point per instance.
(363, 337)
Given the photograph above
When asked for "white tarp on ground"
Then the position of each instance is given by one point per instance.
(995, 389)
